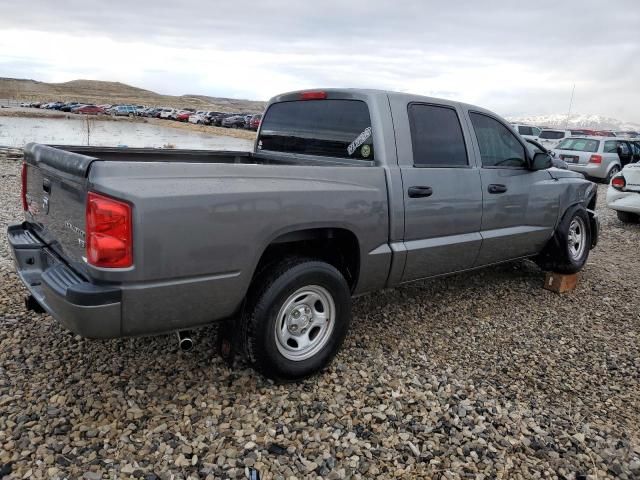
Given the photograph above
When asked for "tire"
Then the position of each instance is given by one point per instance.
(131, 115)
(627, 217)
(612, 173)
(561, 255)
(273, 339)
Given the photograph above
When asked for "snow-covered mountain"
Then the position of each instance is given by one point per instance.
(576, 120)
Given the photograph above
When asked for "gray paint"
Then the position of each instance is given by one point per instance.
(202, 220)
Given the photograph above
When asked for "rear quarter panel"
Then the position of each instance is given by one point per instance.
(200, 229)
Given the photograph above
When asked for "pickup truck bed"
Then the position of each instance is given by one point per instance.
(345, 192)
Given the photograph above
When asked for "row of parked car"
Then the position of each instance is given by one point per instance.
(249, 121)
(550, 137)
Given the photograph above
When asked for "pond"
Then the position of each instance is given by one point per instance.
(18, 131)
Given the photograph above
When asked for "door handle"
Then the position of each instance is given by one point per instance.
(419, 192)
(497, 188)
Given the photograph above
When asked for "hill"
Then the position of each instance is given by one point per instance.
(96, 91)
(576, 120)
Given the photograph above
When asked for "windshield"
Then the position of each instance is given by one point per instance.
(579, 145)
(552, 134)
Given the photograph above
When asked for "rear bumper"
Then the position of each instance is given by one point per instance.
(628, 201)
(85, 308)
(595, 170)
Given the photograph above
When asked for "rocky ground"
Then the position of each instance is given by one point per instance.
(481, 375)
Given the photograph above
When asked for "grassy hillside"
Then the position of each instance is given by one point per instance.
(95, 91)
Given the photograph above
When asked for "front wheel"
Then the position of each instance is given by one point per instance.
(297, 318)
(568, 250)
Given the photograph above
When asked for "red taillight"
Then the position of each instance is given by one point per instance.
(595, 159)
(23, 175)
(313, 95)
(618, 182)
(109, 238)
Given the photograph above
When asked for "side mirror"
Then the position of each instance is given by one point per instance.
(541, 161)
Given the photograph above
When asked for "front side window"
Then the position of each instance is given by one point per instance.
(327, 128)
(522, 130)
(498, 146)
(436, 136)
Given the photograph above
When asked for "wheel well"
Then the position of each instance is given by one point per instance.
(337, 246)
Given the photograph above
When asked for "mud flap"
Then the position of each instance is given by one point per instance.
(228, 341)
(595, 228)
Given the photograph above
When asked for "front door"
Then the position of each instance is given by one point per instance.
(443, 200)
(520, 206)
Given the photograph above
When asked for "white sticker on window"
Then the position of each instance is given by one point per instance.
(360, 139)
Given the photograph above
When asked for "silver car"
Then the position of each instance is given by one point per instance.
(595, 157)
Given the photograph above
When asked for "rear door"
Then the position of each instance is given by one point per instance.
(519, 206)
(441, 183)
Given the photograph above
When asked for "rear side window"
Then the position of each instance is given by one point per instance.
(611, 146)
(436, 136)
(498, 146)
(551, 134)
(327, 128)
(579, 145)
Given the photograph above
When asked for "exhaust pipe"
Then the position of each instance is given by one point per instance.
(184, 340)
(32, 304)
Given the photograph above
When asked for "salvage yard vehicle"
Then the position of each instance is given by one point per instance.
(89, 110)
(528, 132)
(623, 194)
(233, 121)
(347, 191)
(123, 111)
(550, 137)
(595, 157)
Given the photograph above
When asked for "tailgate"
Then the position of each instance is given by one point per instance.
(631, 175)
(56, 187)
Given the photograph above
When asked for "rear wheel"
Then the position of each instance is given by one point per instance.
(628, 217)
(568, 250)
(296, 319)
(612, 173)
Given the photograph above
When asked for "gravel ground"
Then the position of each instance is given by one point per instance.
(481, 375)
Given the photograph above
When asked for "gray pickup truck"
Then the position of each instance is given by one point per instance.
(346, 192)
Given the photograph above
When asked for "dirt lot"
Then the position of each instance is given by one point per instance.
(480, 375)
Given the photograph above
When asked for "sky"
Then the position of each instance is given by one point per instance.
(513, 57)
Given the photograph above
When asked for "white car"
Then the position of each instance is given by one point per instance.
(167, 112)
(550, 137)
(198, 117)
(528, 132)
(623, 194)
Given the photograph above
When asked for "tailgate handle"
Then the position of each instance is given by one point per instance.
(46, 185)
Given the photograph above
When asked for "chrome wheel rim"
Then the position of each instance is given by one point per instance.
(577, 238)
(305, 322)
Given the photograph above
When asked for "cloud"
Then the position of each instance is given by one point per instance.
(511, 57)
